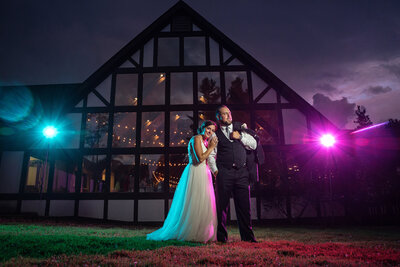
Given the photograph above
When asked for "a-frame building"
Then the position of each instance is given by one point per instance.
(126, 127)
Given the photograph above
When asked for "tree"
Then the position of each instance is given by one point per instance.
(211, 93)
(362, 119)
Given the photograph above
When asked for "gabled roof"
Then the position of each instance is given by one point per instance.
(182, 8)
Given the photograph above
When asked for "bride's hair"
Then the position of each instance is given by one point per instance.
(204, 125)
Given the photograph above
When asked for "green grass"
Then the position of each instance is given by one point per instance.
(37, 241)
(48, 244)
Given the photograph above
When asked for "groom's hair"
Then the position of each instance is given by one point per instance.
(204, 125)
(217, 111)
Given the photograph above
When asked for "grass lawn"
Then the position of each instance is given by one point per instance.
(47, 243)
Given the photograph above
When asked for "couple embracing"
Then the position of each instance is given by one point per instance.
(196, 214)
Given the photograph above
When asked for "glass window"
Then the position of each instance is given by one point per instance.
(167, 28)
(241, 116)
(195, 51)
(236, 88)
(38, 175)
(96, 130)
(206, 115)
(124, 133)
(196, 28)
(126, 89)
(65, 173)
(152, 129)
(168, 52)
(104, 89)
(93, 173)
(209, 91)
(259, 85)
(152, 173)
(154, 89)
(127, 64)
(226, 55)
(148, 54)
(69, 136)
(272, 187)
(182, 88)
(80, 104)
(295, 126)
(267, 126)
(122, 173)
(181, 126)
(94, 101)
(214, 53)
(177, 163)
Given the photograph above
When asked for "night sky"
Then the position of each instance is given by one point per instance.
(335, 54)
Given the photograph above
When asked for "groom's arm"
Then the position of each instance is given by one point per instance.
(212, 161)
(248, 141)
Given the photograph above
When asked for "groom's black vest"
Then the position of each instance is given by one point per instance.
(230, 154)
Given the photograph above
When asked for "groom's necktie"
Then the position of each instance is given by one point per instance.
(227, 133)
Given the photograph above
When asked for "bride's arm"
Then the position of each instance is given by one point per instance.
(200, 156)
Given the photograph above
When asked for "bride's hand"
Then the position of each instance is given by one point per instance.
(214, 141)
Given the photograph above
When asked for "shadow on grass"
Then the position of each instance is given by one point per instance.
(45, 246)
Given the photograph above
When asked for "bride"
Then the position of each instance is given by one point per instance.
(192, 216)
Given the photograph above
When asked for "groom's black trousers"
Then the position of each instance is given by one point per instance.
(233, 182)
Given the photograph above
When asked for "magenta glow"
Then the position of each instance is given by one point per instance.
(327, 140)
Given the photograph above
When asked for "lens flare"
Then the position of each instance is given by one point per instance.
(50, 132)
(327, 140)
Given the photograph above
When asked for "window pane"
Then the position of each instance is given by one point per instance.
(93, 173)
(241, 116)
(272, 186)
(295, 126)
(152, 173)
(152, 129)
(182, 88)
(104, 89)
(122, 173)
(181, 128)
(206, 115)
(236, 88)
(124, 134)
(153, 89)
(148, 54)
(70, 136)
(65, 173)
(214, 52)
(177, 163)
(259, 85)
(96, 130)
(267, 126)
(168, 52)
(195, 51)
(37, 177)
(209, 88)
(126, 89)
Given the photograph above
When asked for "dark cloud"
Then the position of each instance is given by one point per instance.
(375, 90)
(337, 111)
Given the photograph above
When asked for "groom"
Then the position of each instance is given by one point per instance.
(232, 175)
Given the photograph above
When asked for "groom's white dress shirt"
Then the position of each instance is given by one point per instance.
(247, 140)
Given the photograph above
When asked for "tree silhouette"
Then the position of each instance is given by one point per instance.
(211, 93)
(236, 93)
(362, 119)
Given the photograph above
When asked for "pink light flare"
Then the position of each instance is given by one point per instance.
(327, 140)
(370, 127)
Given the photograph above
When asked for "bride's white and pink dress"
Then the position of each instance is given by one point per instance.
(192, 216)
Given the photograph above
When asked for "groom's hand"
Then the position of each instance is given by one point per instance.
(235, 135)
(215, 174)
